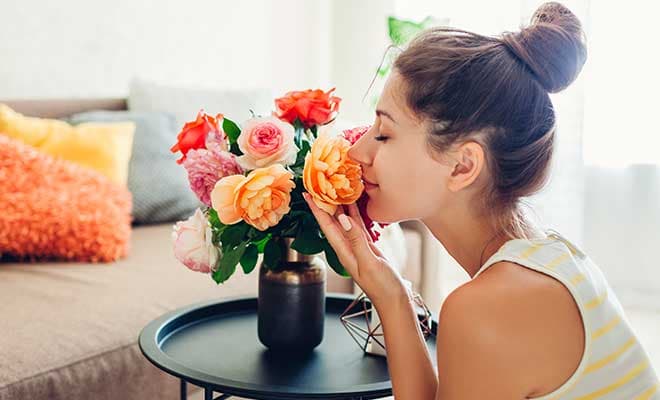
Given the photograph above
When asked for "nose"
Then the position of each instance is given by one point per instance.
(360, 150)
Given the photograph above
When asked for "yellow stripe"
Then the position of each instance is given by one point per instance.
(530, 250)
(620, 382)
(558, 260)
(608, 359)
(648, 393)
(595, 302)
(606, 328)
(577, 279)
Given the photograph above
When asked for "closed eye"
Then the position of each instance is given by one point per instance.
(381, 138)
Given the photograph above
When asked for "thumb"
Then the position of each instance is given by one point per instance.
(356, 239)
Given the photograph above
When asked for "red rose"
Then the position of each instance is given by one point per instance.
(311, 107)
(368, 223)
(194, 133)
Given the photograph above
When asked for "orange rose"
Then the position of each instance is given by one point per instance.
(329, 175)
(261, 198)
(194, 134)
(311, 107)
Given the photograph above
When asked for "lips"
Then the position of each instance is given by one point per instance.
(368, 182)
(368, 185)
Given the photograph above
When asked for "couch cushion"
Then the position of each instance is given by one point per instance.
(55, 209)
(160, 188)
(70, 330)
(104, 147)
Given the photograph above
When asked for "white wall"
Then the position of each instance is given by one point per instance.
(80, 48)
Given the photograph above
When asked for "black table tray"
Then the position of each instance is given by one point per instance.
(215, 345)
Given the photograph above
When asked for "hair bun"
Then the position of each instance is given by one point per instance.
(553, 46)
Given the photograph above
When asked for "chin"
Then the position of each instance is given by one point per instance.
(377, 215)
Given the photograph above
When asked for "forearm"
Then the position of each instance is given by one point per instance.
(410, 366)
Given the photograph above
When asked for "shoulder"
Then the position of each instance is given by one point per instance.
(496, 326)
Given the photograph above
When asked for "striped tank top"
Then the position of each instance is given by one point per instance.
(614, 366)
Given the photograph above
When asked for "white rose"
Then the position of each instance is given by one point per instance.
(193, 244)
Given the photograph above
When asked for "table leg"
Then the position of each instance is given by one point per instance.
(208, 395)
(183, 392)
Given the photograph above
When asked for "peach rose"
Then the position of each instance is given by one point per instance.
(329, 175)
(265, 141)
(261, 198)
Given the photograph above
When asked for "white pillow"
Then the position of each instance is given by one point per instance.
(185, 102)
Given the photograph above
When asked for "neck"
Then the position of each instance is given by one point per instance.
(469, 239)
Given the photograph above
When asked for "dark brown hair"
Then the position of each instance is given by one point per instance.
(494, 90)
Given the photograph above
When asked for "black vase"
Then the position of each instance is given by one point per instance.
(291, 301)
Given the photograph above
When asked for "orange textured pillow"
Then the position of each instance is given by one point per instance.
(54, 209)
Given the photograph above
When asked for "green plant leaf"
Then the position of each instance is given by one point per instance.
(234, 149)
(231, 129)
(272, 254)
(261, 244)
(249, 258)
(305, 147)
(234, 234)
(401, 30)
(334, 262)
(307, 244)
(227, 265)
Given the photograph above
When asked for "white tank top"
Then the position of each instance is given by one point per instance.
(614, 366)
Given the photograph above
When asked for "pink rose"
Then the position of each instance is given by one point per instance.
(265, 141)
(353, 134)
(206, 167)
(193, 245)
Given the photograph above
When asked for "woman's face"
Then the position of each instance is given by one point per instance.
(407, 182)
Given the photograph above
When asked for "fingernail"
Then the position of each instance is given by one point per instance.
(345, 222)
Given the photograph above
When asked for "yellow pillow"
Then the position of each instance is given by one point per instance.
(103, 146)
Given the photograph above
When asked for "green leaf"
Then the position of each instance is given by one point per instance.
(334, 262)
(217, 227)
(272, 254)
(231, 129)
(401, 30)
(234, 234)
(306, 243)
(227, 265)
(249, 259)
(305, 147)
(261, 244)
(234, 149)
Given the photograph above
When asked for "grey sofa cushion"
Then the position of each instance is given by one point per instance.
(159, 185)
(184, 102)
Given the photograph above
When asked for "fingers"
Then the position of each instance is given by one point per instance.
(333, 232)
(357, 238)
(354, 212)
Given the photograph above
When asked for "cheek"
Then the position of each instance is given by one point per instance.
(408, 187)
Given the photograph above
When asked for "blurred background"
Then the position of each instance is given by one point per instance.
(605, 190)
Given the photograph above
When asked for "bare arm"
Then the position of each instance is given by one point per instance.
(410, 366)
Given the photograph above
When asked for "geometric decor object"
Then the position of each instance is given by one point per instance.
(362, 322)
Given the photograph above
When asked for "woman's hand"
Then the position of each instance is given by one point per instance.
(358, 254)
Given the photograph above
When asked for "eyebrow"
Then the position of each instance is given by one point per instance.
(385, 113)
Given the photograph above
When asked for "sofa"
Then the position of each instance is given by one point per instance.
(70, 330)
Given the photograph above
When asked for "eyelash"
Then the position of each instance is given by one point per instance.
(381, 138)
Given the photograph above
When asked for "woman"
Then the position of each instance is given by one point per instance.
(463, 130)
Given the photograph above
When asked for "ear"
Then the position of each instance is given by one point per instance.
(468, 164)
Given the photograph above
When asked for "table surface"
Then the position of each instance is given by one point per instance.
(215, 345)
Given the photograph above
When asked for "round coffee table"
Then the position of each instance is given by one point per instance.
(214, 345)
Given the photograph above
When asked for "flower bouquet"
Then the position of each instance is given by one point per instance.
(251, 177)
